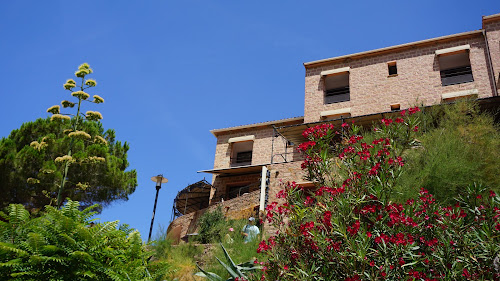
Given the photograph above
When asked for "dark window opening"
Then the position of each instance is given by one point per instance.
(455, 69)
(395, 107)
(244, 157)
(236, 191)
(337, 95)
(456, 75)
(337, 88)
(393, 69)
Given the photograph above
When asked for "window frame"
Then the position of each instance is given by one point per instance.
(337, 94)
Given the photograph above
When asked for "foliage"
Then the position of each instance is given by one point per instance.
(183, 257)
(68, 155)
(63, 244)
(104, 181)
(211, 226)
(461, 147)
(236, 271)
(349, 229)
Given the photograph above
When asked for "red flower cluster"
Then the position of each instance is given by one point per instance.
(303, 147)
(354, 228)
(318, 131)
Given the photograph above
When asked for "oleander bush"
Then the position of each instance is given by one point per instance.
(350, 228)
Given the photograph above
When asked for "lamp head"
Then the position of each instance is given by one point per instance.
(159, 179)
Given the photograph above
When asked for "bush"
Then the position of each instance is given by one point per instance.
(211, 226)
(63, 244)
(461, 147)
(350, 229)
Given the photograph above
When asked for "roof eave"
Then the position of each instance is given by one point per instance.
(490, 18)
(391, 48)
(262, 124)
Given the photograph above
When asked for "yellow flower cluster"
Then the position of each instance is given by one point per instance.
(32, 181)
(64, 159)
(46, 171)
(90, 82)
(95, 159)
(81, 95)
(57, 117)
(83, 70)
(82, 186)
(93, 115)
(66, 103)
(54, 109)
(70, 84)
(98, 99)
(38, 145)
(79, 135)
(99, 139)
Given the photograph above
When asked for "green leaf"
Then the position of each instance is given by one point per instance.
(209, 275)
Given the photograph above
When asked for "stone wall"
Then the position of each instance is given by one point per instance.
(418, 79)
(237, 208)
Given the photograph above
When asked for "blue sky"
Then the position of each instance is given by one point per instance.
(170, 71)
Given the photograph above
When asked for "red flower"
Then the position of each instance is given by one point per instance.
(413, 110)
(466, 273)
(387, 122)
(354, 228)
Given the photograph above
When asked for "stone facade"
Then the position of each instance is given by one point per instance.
(418, 81)
(371, 90)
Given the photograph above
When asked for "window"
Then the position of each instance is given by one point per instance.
(393, 69)
(241, 153)
(244, 157)
(455, 68)
(337, 88)
(237, 190)
(395, 107)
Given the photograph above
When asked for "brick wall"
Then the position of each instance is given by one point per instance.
(262, 145)
(493, 34)
(280, 175)
(418, 80)
(222, 183)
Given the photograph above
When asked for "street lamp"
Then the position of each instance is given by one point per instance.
(159, 179)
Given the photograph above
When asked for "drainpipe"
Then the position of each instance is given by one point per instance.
(490, 64)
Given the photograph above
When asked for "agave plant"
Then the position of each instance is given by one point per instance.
(237, 271)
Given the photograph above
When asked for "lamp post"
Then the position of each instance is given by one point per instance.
(159, 179)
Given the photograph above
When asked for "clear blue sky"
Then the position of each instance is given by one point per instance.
(170, 71)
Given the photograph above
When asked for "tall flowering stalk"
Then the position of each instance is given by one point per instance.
(79, 95)
(349, 229)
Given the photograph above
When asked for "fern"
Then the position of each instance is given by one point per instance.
(60, 244)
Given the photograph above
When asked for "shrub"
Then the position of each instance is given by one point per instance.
(461, 147)
(63, 244)
(211, 226)
(350, 229)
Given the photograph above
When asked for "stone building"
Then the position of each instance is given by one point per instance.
(251, 160)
